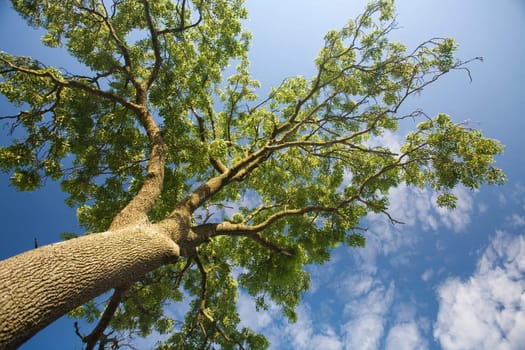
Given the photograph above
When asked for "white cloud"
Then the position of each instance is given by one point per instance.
(487, 311)
(483, 207)
(415, 206)
(304, 336)
(321, 275)
(356, 285)
(502, 199)
(391, 140)
(418, 210)
(364, 332)
(427, 275)
(326, 342)
(411, 206)
(516, 220)
(458, 218)
(405, 336)
(377, 301)
(250, 317)
(367, 318)
(517, 195)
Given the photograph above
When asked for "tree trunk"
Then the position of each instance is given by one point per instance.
(41, 285)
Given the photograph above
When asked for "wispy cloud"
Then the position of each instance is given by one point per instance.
(368, 317)
(456, 219)
(418, 210)
(305, 334)
(356, 285)
(487, 311)
(516, 220)
(250, 317)
(427, 275)
(405, 336)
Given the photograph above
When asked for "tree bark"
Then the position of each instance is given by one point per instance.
(41, 285)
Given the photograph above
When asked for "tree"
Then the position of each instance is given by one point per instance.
(191, 186)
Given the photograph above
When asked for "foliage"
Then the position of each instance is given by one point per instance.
(301, 167)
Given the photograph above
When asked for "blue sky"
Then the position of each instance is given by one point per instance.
(444, 279)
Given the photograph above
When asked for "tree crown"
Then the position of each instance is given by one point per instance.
(273, 183)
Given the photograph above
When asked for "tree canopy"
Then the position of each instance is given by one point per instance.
(162, 127)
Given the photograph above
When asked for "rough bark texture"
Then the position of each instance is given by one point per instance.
(39, 286)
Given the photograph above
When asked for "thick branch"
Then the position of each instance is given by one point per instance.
(95, 335)
(215, 162)
(227, 228)
(139, 207)
(72, 83)
(203, 193)
(257, 237)
(182, 26)
(207, 231)
(202, 306)
(122, 46)
(154, 43)
(215, 184)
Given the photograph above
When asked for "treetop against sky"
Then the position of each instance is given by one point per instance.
(152, 142)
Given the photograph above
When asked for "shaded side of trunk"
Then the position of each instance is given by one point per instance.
(39, 286)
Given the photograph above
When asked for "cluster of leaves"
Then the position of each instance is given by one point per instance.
(305, 156)
(85, 117)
